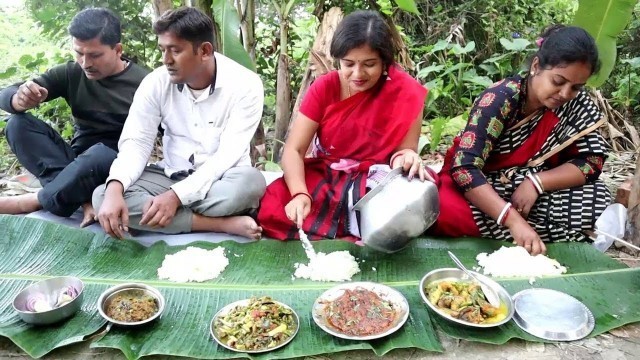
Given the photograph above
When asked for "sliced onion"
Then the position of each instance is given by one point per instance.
(38, 303)
(71, 292)
(67, 296)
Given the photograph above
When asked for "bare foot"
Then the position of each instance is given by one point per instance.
(20, 204)
(236, 225)
(89, 215)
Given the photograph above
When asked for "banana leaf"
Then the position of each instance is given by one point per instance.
(604, 20)
(31, 249)
(226, 16)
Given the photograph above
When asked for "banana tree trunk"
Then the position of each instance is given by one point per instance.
(160, 6)
(247, 14)
(206, 6)
(320, 62)
(283, 90)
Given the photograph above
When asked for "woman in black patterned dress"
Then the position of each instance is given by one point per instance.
(526, 166)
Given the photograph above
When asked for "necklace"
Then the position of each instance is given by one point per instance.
(349, 90)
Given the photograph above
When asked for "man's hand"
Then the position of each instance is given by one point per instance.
(89, 215)
(28, 96)
(113, 214)
(160, 210)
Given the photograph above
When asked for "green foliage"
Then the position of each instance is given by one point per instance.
(624, 82)
(408, 6)
(604, 20)
(139, 41)
(627, 95)
(226, 17)
(302, 31)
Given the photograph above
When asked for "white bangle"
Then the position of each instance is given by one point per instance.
(535, 182)
(504, 211)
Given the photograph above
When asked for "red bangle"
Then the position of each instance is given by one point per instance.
(396, 155)
(302, 193)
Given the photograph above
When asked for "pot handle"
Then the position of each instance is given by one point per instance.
(390, 176)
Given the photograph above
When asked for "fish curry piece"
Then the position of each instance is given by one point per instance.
(464, 301)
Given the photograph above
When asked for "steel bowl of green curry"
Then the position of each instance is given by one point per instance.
(131, 304)
(459, 299)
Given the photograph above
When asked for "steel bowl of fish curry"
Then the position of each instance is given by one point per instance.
(455, 297)
(255, 325)
(131, 304)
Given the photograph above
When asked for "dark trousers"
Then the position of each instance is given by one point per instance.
(68, 178)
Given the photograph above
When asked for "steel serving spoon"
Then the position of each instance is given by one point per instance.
(306, 244)
(489, 292)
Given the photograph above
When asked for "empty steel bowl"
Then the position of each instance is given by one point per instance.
(458, 275)
(49, 290)
(130, 289)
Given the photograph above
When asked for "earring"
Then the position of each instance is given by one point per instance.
(531, 73)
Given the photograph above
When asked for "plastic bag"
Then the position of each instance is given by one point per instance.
(612, 221)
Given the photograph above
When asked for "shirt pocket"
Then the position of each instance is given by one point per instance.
(211, 139)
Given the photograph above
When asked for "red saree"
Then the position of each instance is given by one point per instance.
(353, 134)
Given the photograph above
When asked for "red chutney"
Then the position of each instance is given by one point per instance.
(360, 312)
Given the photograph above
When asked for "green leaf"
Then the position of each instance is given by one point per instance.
(439, 46)
(604, 20)
(456, 49)
(437, 126)
(515, 44)
(635, 62)
(25, 59)
(423, 73)
(31, 250)
(408, 5)
(9, 72)
(272, 166)
(456, 67)
(423, 142)
(226, 17)
(472, 77)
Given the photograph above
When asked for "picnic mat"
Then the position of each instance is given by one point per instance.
(32, 249)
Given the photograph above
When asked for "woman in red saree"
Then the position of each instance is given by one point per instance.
(525, 169)
(368, 112)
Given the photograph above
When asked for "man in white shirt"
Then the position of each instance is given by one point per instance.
(209, 108)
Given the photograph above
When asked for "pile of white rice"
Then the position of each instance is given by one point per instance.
(193, 264)
(516, 261)
(335, 266)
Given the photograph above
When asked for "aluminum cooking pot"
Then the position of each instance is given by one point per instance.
(396, 211)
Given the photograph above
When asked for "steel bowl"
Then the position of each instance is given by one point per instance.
(397, 210)
(459, 275)
(395, 297)
(50, 289)
(138, 289)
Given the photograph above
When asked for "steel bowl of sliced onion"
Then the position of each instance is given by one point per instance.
(49, 301)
